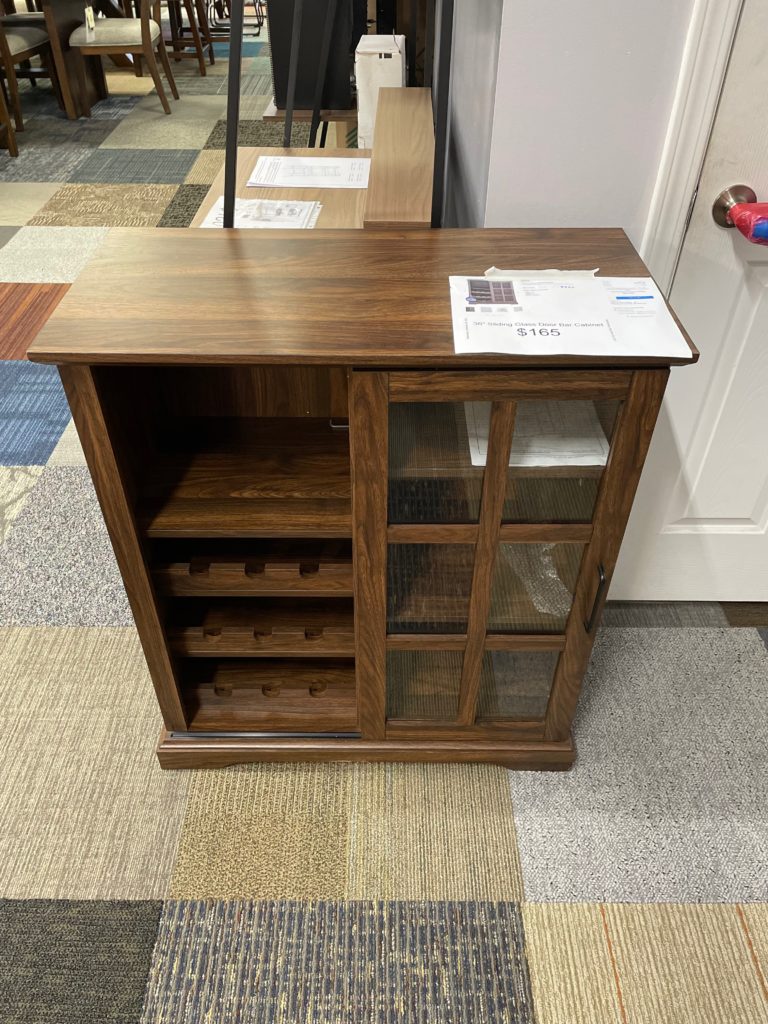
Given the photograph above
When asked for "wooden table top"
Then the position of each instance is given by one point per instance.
(362, 298)
(342, 207)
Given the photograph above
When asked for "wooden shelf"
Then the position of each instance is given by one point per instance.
(249, 477)
(276, 568)
(269, 695)
(237, 627)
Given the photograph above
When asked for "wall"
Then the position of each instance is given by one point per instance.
(583, 97)
(477, 31)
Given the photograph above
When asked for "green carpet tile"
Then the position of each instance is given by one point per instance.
(75, 962)
(182, 208)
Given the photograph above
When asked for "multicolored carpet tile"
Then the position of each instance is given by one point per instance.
(631, 890)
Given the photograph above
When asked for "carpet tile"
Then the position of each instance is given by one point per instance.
(666, 801)
(256, 84)
(124, 82)
(148, 127)
(75, 962)
(265, 831)
(85, 810)
(16, 482)
(257, 133)
(48, 255)
(205, 168)
(19, 201)
(463, 816)
(78, 582)
(6, 233)
(24, 308)
(685, 965)
(102, 206)
(572, 975)
(135, 167)
(68, 451)
(41, 163)
(33, 412)
(746, 613)
(52, 132)
(764, 634)
(182, 208)
(652, 614)
(280, 962)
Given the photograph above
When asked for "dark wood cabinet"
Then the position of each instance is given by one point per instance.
(400, 554)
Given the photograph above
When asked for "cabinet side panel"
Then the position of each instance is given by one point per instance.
(614, 503)
(104, 467)
(368, 412)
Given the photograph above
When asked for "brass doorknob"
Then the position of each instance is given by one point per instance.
(728, 198)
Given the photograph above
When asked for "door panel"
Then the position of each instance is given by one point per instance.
(699, 528)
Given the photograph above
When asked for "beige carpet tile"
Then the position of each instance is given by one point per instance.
(432, 832)
(125, 83)
(265, 831)
(106, 206)
(685, 964)
(753, 918)
(20, 200)
(188, 126)
(68, 451)
(85, 810)
(48, 255)
(571, 971)
(205, 168)
(15, 484)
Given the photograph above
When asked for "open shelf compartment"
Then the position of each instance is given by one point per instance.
(269, 695)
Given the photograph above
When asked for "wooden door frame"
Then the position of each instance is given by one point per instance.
(703, 67)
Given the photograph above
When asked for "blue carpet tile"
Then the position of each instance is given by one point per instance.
(33, 412)
(135, 167)
(280, 962)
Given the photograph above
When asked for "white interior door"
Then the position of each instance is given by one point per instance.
(699, 529)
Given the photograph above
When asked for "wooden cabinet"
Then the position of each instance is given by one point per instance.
(369, 558)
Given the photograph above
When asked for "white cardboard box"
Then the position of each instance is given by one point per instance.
(379, 63)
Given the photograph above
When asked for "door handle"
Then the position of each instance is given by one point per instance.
(737, 207)
(589, 624)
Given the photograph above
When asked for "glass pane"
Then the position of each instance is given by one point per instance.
(435, 476)
(423, 684)
(515, 684)
(559, 451)
(428, 587)
(533, 587)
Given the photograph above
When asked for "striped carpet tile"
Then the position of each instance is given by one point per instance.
(24, 308)
(282, 962)
(33, 412)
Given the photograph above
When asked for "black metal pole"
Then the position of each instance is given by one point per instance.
(429, 43)
(443, 46)
(233, 109)
(322, 69)
(293, 68)
(413, 31)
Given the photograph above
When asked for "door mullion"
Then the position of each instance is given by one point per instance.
(491, 508)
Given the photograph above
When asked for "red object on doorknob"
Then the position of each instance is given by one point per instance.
(752, 221)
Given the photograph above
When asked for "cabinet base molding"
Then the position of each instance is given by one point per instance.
(187, 750)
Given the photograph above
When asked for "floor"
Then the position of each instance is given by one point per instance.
(631, 890)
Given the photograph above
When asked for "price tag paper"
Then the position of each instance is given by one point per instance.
(563, 314)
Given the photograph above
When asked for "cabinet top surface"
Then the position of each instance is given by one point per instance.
(366, 298)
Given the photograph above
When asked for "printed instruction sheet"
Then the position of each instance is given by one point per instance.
(311, 172)
(265, 213)
(545, 313)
